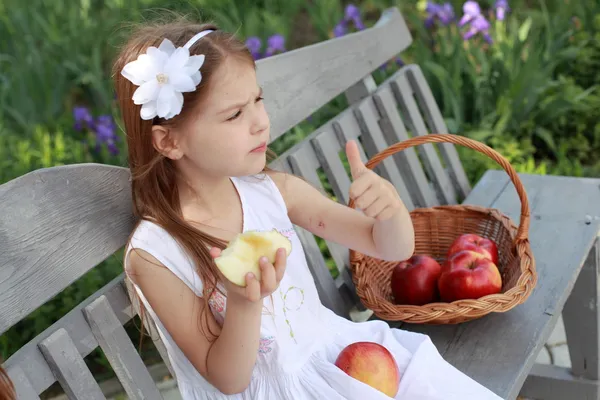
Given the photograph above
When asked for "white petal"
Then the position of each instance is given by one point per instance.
(194, 64)
(182, 83)
(148, 110)
(140, 70)
(177, 61)
(197, 78)
(167, 46)
(178, 106)
(158, 57)
(166, 101)
(147, 92)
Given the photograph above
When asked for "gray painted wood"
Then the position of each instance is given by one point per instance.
(500, 349)
(408, 163)
(83, 208)
(315, 74)
(30, 359)
(581, 319)
(404, 96)
(119, 351)
(436, 124)
(23, 388)
(374, 142)
(69, 367)
(551, 382)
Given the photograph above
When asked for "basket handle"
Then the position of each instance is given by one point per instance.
(522, 232)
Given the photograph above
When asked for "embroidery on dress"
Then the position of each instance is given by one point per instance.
(216, 302)
(286, 308)
(265, 343)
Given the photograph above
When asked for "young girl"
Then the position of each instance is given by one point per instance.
(197, 134)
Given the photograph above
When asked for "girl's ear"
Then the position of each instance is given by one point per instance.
(164, 142)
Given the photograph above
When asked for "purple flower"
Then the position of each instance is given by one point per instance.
(274, 44)
(352, 12)
(399, 61)
(479, 25)
(340, 29)
(471, 11)
(106, 128)
(83, 118)
(502, 8)
(444, 13)
(254, 44)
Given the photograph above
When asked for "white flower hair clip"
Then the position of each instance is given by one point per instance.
(163, 74)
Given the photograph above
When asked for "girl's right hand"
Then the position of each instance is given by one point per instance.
(255, 290)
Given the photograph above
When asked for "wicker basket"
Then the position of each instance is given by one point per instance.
(435, 229)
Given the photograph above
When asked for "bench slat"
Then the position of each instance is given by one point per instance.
(327, 148)
(85, 209)
(31, 360)
(301, 81)
(69, 367)
(407, 160)
(436, 124)
(404, 95)
(305, 163)
(118, 349)
(374, 142)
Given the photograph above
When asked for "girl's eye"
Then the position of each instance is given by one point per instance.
(259, 98)
(237, 114)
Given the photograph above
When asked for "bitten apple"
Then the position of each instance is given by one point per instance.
(372, 364)
(414, 281)
(476, 243)
(243, 252)
(468, 275)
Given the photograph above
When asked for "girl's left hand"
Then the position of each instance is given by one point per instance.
(375, 196)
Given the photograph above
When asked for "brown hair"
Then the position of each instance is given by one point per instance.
(154, 190)
(7, 390)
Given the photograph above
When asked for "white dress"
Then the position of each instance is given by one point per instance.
(301, 338)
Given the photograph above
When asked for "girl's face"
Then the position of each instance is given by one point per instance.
(230, 133)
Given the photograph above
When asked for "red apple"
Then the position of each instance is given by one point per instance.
(476, 243)
(372, 364)
(414, 281)
(468, 275)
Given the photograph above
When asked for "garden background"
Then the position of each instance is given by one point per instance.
(521, 76)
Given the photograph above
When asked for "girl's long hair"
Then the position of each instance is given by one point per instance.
(7, 389)
(154, 189)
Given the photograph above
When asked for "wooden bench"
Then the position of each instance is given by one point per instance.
(58, 223)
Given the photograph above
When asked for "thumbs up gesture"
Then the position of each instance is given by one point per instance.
(375, 196)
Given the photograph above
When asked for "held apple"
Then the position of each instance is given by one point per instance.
(468, 275)
(372, 364)
(476, 243)
(243, 252)
(414, 281)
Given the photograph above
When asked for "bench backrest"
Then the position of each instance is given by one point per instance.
(60, 222)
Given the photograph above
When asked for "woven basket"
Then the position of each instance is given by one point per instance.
(435, 229)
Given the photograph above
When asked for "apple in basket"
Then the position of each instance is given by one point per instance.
(414, 281)
(243, 252)
(468, 275)
(372, 364)
(476, 243)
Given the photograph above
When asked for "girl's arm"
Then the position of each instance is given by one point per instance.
(228, 362)
(383, 229)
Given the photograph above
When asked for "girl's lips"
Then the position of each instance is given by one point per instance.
(259, 149)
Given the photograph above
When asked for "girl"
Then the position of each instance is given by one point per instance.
(197, 135)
